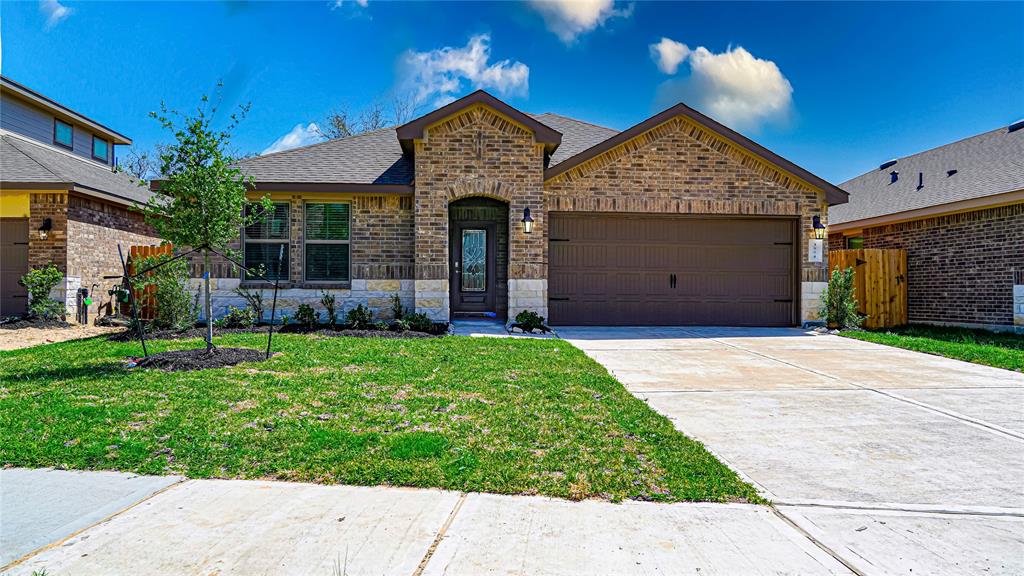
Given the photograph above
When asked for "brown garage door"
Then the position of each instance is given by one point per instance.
(13, 265)
(670, 270)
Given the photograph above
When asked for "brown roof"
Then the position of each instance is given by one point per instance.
(26, 164)
(833, 194)
(987, 165)
(542, 133)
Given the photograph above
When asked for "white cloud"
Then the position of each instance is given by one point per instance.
(54, 11)
(340, 3)
(669, 54)
(734, 87)
(298, 136)
(438, 75)
(570, 18)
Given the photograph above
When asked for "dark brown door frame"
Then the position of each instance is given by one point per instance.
(465, 301)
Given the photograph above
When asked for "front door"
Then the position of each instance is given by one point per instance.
(473, 267)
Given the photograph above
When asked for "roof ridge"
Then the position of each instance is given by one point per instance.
(588, 123)
(315, 144)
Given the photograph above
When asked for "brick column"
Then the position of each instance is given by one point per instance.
(53, 250)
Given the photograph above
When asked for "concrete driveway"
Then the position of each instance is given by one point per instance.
(892, 460)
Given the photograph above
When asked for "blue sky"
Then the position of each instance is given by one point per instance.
(834, 87)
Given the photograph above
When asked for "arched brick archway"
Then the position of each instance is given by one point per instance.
(479, 187)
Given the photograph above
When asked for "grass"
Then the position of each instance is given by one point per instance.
(512, 416)
(999, 349)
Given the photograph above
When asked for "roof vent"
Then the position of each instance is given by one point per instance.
(893, 177)
(887, 164)
(950, 173)
(920, 180)
(1016, 125)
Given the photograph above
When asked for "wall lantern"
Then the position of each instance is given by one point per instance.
(44, 230)
(819, 228)
(527, 221)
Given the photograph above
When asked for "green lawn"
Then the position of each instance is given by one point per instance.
(515, 416)
(1002, 350)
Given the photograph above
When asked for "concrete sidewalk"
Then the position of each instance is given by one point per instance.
(894, 460)
(249, 527)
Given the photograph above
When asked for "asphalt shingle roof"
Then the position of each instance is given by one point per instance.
(23, 161)
(376, 157)
(987, 164)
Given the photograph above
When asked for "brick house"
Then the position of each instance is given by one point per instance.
(61, 200)
(958, 210)
(677, 220)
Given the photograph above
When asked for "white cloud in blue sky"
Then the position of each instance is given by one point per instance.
(569, 19)
(439, 76)
(54, 11)
(296, 137)
(733, 87)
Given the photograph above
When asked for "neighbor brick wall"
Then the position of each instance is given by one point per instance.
(960, 266)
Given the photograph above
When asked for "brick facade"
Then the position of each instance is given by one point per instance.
(960, 266)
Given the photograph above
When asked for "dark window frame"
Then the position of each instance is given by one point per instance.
(306, 242)
(850, 240)
(286, 241)
(56, 142)
(105, 159)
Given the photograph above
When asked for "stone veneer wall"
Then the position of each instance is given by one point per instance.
(960, 267)
(478, 152)
(1018, 301)
(681, 168)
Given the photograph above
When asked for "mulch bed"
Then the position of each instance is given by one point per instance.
(20, 323)
(200, 359)
(200, 332)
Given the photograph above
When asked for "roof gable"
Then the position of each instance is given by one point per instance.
(416, 129)
(772, 166)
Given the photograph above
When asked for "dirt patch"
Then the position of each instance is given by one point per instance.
(200, 332)
(200, 359)
(34, 335)
(22, 323)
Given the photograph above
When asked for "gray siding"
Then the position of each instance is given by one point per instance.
(36, 123)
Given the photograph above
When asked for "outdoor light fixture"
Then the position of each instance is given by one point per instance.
(527, 221)
(44, 230)
(819, 228)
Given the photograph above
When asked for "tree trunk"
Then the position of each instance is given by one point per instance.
(209, 304)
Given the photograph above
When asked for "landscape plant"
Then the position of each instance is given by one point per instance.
(359, 318)
(253, 299)
(419, 322)
(39, 282)
(237, 318)
(201, 198)
(839, 304)
(528, 321)
(327, 300)
(397, 310)
(307, 317)
(175, 308)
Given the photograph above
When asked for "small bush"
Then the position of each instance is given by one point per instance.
(306, 316)
(237, 318)
(419, 322)
(397, 310)
(398, 325)
(175, 308)
(253, 299)
(285, 319)
(380, 325)
(39, 282)
(839, 305)
(327, 300)
(359, 318)
(528, 321)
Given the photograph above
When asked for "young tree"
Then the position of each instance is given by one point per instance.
(201, 198)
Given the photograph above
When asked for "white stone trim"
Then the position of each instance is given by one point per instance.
(527, 294)
(433, 299)
(810, 301)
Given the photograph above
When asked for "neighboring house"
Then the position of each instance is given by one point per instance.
(958, 210)
(61, 201)
(677, 220)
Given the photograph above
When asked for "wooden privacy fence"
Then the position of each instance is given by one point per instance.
(146, 298)
(880, 283)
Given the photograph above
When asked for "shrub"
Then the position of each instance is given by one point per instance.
(380, 325)
(39, 282)
(306, 316)
(285, 319)
(528, 321)
(254, 300)
(327, 300)
(398, 325)
(359, 318)
(237, 318)
(419, 322)
(175, 308)
(839, 305)
(397, 310)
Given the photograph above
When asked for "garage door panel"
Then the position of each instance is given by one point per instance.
(616, 269)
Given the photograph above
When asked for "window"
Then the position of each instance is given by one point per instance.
(99, 148)
(63, 134)
(266, 242)
(327, 242)
(854, 242)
